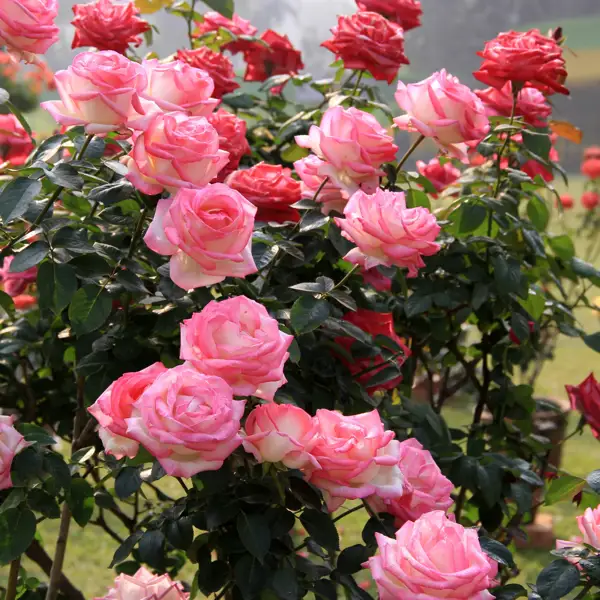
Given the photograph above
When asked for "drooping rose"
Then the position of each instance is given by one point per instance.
(432, 557)
(387, 233)
(353, 146)
(368, 41)
(585, 398)
(407, 13)
(330, 196)
(15, 143)
(442, 108)
(590, 167)
(177, 86)
(187, 420)
(15, 284)
(531, 104)
(281, 433)
(440, 175)
(590, 199)
(145, 586)
(216, 64)
(232, 139)
(11, 443)
(373, 323)
(27, 26)
(271, 189)
(108, 25)
(528, 58)
(566, 201)
(175, 151)
(207, 233)
(114, 405)
(425, 488)
(213, 21)
(357, 458)
(100, 91)
(238, 340)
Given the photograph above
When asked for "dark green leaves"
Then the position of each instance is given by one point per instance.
(225, 7)
(351, 559)
(593, 480)
(593, 341)
(321, 529)
(537, 141)
(57, 284)
(89, 309)
(16, 197)
(538, 213)
(557, 580)
(29, 257)
(255, 534)
(565, 486)
(472, 217)
(416, 198)
(308, 313)
(128, 482)
(496, 551)
(17, 528)
(81, 501)
(65, 176)
(111, 193)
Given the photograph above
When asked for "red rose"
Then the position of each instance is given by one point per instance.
(232, 138)
(366, 40)
(24, 301)
(591, 152)
(567, 201)
(15, 143)
(590, 199)
(271, 189)
(533, 167)
(440, 175)
(531, 104)
(407, 13)
(217, 65)
(585, 397)
(591, 168)
(107, 26)
(213, 21)
(374, 323)
(529, 58)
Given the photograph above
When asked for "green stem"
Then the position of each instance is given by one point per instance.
(345, 278)
(413, 147)
(190, 20)
(182, 484)
(137, 233)
(353, 95)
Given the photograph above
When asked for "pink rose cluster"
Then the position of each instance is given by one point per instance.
(11, 443)
(143, 585)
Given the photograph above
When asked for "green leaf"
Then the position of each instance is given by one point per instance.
(496, 551)
(89, 309)
(285, 583)
(57, 283)
(180, 533)
(239, 100)
(15, 111)
(416, 198)
(593, 341)
(128, 482)
(29, 257)
(557, 580)
(35, 434)
(55, 465)
(17, 529)
(538, 213)
(82, 455)
(471, 217)
(534, 304)
(6, 302)
(73, 240)
(417, 304)
(321, 528)
(507, 274)
(255, 534)
(16, 197)
(565, 486)
(308, 313)
(562, 246)
(42, 502)
(250, 576)
(584, 269)
(80, 499)
(111, 193)
(65, 175)
(351, 559)
(14, 498)
(225, 7)
(124, 550)
(509, 592)
(538, 142)
(520, 326)
(593, 480)
(151, 547)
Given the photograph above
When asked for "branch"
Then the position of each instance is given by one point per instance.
(59, 553)
(13, 577)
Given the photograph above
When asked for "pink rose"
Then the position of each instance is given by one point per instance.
(213, 21)
(440, 107)
(217, 65)
(252, 354)
(114, 406)
(407, 13)
(585, 397)
(16, 283)
(426, 489)
(145, 586)
(177, 86)
(353, 145)
(187, 420)
(281, 433)
(387, 233)
(589, 525)
(440, 175)
(27, 26)
(433, 557)
(376, 279)
(357, 458)
(11, 443)
(232, 139)
(207, 233)
(175, 151)
(15, 143)
(99, 90)
(331, 196)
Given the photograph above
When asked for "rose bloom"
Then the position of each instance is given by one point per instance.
(566, 201)
(15, 143)
(353, 146)
(425, 488)
(238, 340)
(207, 233)
(590, 199)
(373, 323)
(367, 41)
(16, 283)
(528, 58)
(442, 108)
(99, 90)
(107, 25)
(232, 139)
(281, 433)
(11, 443)
(585, 398)
(591, 152)
(432, 557)
(27, 26)
(114, 405)
(376, 279)
(145, 586)
(216, 64)
(357, 458)
(407, 13)
(331, 196)
(271, 189)
(387, 233)
(590, 167)
(213, 21)
(175, 151)
(24, 301)
(177, 86)
(532, 167)
(589, 525)
(531, 104)
(440, 175)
